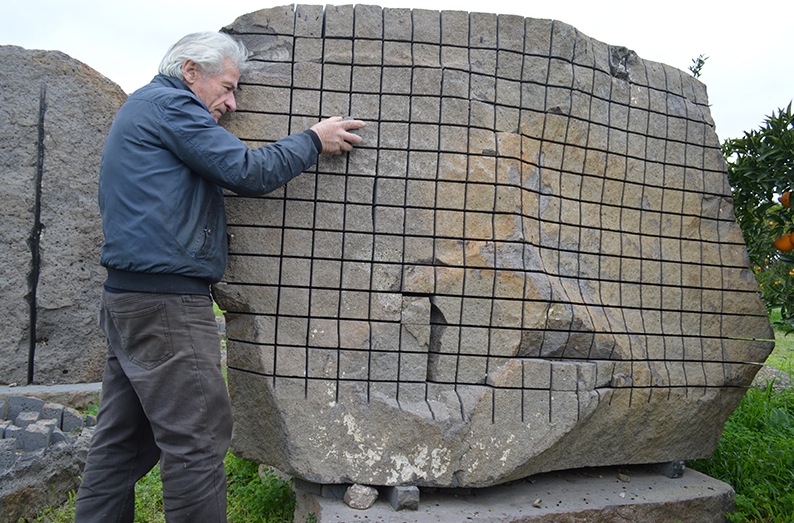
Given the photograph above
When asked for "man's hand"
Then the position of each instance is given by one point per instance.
(335, 136)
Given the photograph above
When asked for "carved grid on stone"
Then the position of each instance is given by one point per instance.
(531, 211)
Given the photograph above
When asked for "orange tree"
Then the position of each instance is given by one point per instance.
(761, 174)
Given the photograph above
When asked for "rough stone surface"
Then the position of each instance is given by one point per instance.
(48, 94)
(360, 497)
(403, 498)
(530, 264)
(41, 456)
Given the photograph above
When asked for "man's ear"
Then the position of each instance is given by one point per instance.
(190, 71)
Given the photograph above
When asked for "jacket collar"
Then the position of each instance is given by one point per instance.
(170, 81)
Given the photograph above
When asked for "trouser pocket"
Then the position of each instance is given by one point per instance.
(143, 332)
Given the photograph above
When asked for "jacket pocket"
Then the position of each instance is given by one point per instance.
(211, 228)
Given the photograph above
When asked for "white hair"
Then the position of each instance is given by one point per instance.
(209, 50)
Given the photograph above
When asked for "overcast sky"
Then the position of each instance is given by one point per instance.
(749, 72)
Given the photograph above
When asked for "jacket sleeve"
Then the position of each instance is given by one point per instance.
(189, 132)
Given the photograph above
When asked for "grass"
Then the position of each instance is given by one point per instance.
(783, 356)
(265, 498)
(756, 456)
(252, 498)
(756, 452)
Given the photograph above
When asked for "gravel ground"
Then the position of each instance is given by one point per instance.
(767, 373)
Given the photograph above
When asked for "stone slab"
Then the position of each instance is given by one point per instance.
(74, 395)
(595, 495)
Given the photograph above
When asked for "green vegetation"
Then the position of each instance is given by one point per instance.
(251, 498)
(755, 456)
(756, 452)
(697, 65)
(254, 498)
(761, 174)
(783, 356)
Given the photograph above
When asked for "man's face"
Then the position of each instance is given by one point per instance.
(217, 92)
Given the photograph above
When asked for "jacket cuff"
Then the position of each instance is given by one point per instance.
(318, 144)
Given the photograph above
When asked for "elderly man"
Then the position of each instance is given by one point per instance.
(164, 166)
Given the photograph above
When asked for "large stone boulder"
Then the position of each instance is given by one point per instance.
(55, 114)
(530, 264)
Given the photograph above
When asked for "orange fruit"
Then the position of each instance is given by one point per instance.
(784, 243)
(785, 199)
